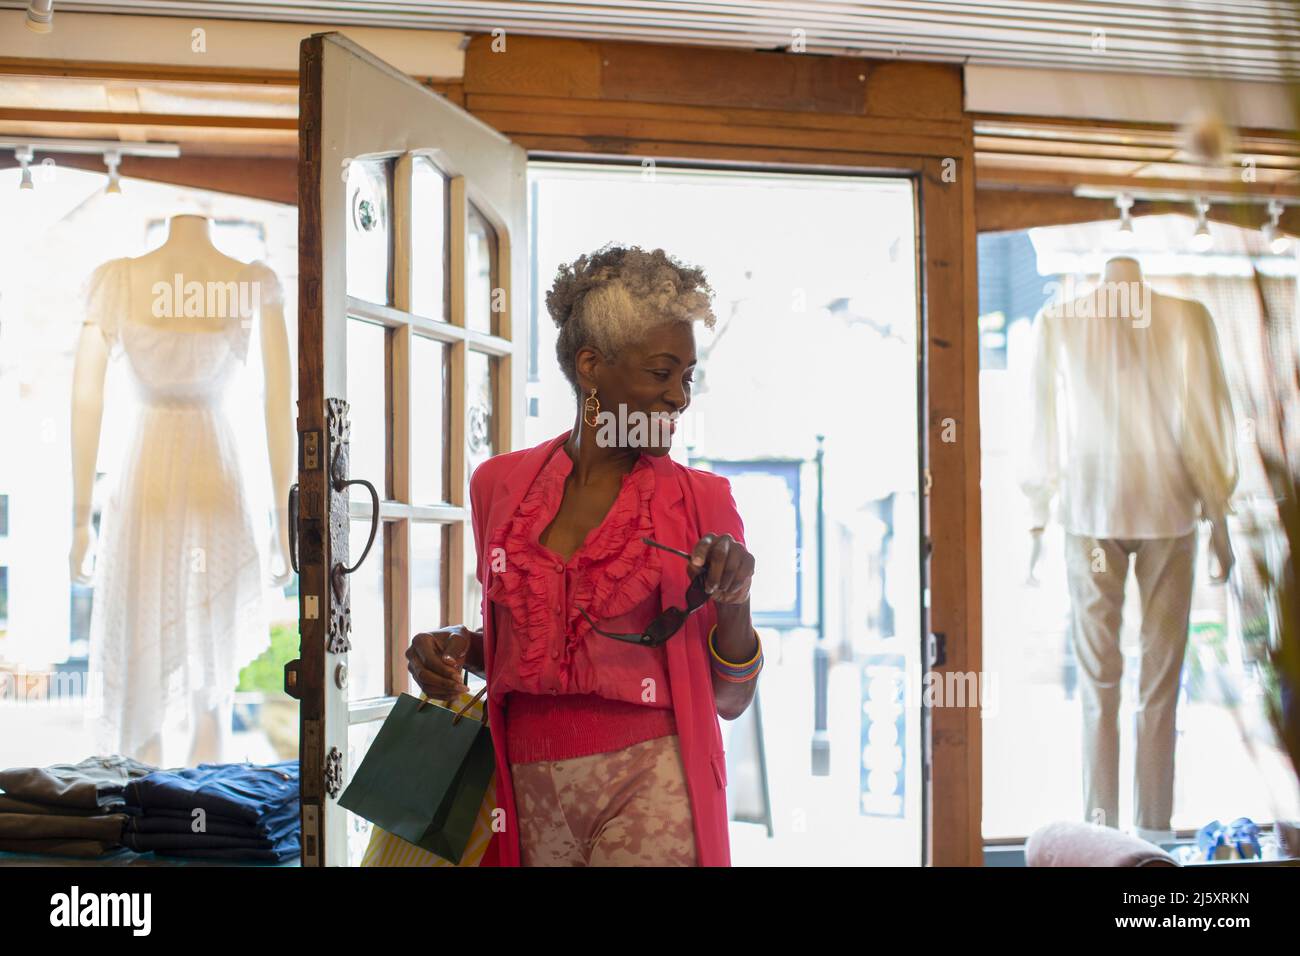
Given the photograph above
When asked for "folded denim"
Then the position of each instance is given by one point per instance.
(35, 826)
(97, 783)
(78, 848)
(242, 792)
(280, 853)
(272, 827)
(144, 842)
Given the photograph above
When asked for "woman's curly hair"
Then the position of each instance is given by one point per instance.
(613, 296)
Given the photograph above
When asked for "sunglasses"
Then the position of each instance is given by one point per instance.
(668, 622)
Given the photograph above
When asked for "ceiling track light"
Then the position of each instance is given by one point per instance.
(40, 16)
(113, 159)
(1274, 237)
(24, 156)
(1201, 239)
(1125, 235)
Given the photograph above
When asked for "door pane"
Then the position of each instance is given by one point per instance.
(480, 273)
(429, 248)
(428, 546)
(430, 459)
(366, 659)
(360, 737)
(369, 237)
(480, 429)
(367, 411)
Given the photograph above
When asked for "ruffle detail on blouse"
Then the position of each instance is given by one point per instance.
(616, 570)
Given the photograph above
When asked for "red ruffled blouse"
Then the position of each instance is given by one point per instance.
(569, 691)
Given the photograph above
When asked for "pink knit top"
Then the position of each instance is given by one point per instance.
(571, 692)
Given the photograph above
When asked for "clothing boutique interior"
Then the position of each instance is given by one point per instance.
(1001, 375)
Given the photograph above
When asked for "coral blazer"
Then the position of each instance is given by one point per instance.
(688, 503)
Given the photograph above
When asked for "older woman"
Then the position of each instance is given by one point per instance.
(616, 623)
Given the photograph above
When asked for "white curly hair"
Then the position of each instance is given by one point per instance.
(611, 297)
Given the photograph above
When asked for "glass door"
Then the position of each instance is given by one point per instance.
(411, 232)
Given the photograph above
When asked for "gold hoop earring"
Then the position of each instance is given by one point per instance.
(591, 406)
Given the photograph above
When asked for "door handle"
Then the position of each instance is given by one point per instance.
(340, 485)
(293, 527)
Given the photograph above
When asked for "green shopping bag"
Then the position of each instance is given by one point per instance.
(424, 776)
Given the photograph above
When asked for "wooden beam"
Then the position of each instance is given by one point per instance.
(1038, 180)
(153, 72)
(1006, 210)
(882, 127)
(1117, 127)
(608, 131)
(204, 120)
(450, 87)
(621, 71)
(256, 177)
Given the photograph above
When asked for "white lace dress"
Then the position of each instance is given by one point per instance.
(178, 586)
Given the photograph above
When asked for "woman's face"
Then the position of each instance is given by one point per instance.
(651, 380)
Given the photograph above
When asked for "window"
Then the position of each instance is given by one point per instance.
(1034, 754)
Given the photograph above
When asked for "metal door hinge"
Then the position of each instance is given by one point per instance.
(333, 772)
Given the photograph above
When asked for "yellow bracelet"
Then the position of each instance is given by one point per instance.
(726, 663)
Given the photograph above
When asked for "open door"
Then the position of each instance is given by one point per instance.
(411, 239)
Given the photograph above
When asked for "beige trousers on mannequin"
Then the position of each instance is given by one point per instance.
(1097, 569)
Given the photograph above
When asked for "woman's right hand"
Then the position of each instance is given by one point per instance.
(436, 660)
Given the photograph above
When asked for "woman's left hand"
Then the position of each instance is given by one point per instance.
(731, 568)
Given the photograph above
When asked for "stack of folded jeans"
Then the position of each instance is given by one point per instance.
(67, 809)
(235, 811)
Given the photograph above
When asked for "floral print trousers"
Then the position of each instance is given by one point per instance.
(628, 807)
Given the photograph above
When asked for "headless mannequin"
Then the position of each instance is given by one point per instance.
(1124, 269)
(1133, 488)
(188, 246)
(188, 251)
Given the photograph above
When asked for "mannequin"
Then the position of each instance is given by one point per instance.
(1133, 428)
(178, 577)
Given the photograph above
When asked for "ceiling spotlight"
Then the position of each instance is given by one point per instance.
(1124, 237)
(1202, 240)
(40, 16)
(1274, 238)
(114, 188)
(24, 156)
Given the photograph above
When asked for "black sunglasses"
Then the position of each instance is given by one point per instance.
(668, 622)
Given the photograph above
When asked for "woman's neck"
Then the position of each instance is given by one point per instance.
(593, 462)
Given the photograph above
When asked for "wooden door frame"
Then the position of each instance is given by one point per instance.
(578, 99)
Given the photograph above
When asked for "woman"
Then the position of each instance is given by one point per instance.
(609, 751)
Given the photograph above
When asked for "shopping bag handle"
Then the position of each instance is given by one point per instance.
(461, 713)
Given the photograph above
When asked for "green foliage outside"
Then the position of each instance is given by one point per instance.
(266, 673)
